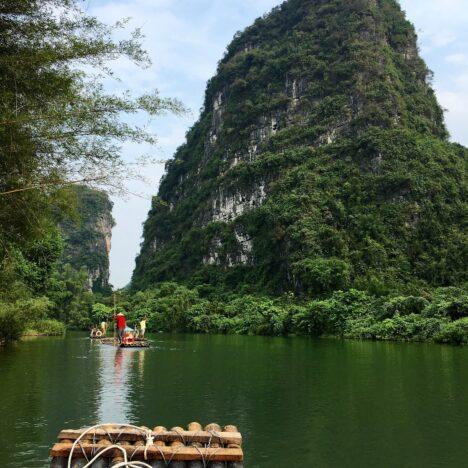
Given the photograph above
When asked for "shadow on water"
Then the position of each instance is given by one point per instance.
(298, 402)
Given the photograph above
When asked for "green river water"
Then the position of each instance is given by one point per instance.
(298, 402)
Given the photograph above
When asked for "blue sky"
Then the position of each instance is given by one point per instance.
(186, 39)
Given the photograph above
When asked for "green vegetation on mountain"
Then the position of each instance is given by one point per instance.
(88, 235)
(320, 163)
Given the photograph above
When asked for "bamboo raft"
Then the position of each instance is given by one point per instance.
(139, 343)
(107, 445)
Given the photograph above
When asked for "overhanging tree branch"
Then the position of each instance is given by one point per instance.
(54, 184)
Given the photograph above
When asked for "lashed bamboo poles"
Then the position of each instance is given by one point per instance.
(194, 447)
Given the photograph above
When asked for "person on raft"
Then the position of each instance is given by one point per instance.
(128, 336)
(104, 328)
(142, 330)
(121, 324)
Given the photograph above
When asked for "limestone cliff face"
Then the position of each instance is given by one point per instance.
(313, 158)
(88, 238)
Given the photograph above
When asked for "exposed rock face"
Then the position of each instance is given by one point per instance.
(314, 134)
(88, 238)
(226, 207)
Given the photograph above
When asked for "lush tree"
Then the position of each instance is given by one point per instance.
(57, 123)
(59, 126)
(100, 312)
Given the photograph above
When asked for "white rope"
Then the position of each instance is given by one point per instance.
(135, 464)
(201, 454)
(147, 432)
(149, 443)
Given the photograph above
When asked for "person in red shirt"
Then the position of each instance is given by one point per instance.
(121, 324)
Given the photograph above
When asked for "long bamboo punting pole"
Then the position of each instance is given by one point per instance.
(115, 331)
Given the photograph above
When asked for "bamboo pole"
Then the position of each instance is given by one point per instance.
(115, 331)
(173, 452)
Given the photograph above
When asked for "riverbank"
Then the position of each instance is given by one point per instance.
(438, 316)
(29, 316)
(48, 327)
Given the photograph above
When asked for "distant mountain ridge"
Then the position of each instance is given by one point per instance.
(320, 161)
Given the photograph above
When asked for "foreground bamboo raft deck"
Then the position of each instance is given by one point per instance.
(194, 447)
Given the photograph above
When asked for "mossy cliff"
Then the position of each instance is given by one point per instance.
(320, 162)
(87, 236)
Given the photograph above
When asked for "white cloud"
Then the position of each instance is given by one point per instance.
(461, 79)
(458, 59)
(456, 103)
(443, 32)
(440, 39)
(437, 14)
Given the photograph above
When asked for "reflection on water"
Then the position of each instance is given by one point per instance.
(113, 394)
(121, 368)
(298, 402)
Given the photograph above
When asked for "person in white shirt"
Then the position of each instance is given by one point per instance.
(142, 327)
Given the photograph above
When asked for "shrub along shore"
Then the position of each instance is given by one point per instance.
(440, 315)
(48, 327)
